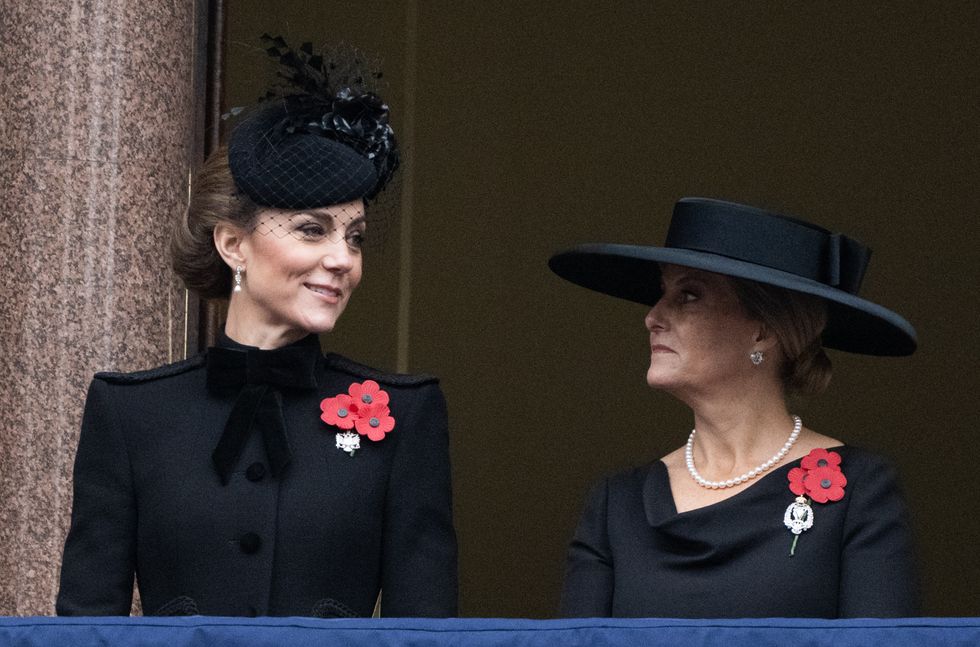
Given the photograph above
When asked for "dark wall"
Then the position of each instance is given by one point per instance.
(541, 125)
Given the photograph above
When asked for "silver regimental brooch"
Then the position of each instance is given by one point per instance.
(798, 516)
(348, 441)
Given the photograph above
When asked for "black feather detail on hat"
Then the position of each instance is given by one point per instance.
(318, 138)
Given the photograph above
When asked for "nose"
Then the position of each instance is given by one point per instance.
(337, 257)
(655, 318)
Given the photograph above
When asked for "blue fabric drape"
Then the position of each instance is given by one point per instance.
(199, 631)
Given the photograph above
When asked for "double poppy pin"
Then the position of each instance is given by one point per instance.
(818, 478)
(362, 411)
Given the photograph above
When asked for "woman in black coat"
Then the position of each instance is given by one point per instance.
(264, 477)
(756, 515)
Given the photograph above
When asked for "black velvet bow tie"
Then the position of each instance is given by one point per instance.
(258, 375)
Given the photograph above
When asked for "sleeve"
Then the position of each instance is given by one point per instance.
(588, 588)
(419, 576)
(98, 562)
(879, 576)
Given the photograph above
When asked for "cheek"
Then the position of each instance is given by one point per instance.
(356, 272)
(270, 255)
(710, 341)
(728, 343)
(296, 263)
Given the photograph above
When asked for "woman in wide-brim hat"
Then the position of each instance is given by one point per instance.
(264, 477)
(756, 515)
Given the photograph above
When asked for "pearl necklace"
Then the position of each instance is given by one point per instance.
(752, 473)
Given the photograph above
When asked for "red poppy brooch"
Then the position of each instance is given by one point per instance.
(818, 478)
(363, 409)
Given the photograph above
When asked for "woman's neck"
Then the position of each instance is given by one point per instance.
(251, 331)
(738, 431)
(739, 437)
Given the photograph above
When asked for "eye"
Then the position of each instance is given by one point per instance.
(355, 238)
(687, 295)
(311, 230)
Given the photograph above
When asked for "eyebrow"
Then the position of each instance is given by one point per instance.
(332, 218)
(357, 221)
(685, 278)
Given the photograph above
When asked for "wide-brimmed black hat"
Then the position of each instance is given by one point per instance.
(750, 243)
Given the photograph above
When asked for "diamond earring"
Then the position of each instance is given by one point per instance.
(239, 270)
(756, 357)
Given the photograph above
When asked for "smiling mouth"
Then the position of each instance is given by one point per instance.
(326, 291)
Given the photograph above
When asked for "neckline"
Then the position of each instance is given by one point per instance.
(667, 505)
(224, 341)
(231, 364)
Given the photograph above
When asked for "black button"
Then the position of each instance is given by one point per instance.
(251, 612)
(255, 472)
(250, 543)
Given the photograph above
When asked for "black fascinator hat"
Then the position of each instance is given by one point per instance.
(318, 139)
(750, 243)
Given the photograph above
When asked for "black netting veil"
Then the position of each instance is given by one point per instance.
(318, 138)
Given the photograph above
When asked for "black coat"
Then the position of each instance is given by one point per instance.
(320, 538)
(633, 555)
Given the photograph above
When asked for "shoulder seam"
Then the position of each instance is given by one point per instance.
(166, 370)
(356, 369)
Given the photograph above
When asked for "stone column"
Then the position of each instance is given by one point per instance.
(98, 134)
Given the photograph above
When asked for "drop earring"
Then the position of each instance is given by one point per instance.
(239, 270)
(757, 357)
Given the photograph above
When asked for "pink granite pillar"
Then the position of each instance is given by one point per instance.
(98, 132)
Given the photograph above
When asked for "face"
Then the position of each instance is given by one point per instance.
(700, 336)
(301, 268)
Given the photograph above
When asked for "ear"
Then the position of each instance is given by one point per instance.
(765, 340)
(231, 243)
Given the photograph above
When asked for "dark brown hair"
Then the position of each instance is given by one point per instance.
(214, 199)
(797, 320)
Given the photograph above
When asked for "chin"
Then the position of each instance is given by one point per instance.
(312, 326)
(656, 379)
(319, 322)
(320, 327)
(653, 381)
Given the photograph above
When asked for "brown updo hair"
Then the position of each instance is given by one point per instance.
(797, 320)
(214, 199)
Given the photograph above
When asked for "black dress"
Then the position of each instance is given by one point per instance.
(633, 555)
(285, 523)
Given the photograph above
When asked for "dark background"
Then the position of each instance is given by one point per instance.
(533, 126)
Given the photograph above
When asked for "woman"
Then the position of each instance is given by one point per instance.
(264, 478)
(756, 515)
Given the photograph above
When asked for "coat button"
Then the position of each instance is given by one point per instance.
(255, 472)
(250, 543)
(251, 612)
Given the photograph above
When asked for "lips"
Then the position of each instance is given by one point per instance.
(326, 291)
(660, 348)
